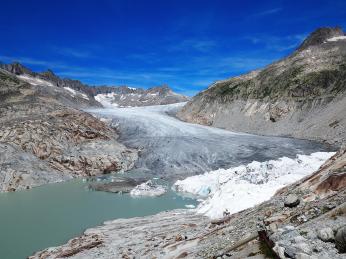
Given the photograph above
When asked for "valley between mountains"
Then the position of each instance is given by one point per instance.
(253, 166)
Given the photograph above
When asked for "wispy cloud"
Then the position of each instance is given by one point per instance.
(268, 12)
(192, 44)
(76, 53)
(278, 43)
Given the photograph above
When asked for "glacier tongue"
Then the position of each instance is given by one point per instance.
(244, 186)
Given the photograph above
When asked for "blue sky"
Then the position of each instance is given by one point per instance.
(187, 44)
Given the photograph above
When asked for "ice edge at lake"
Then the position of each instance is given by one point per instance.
(244, 186)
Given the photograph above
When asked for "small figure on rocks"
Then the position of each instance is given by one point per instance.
(291, 201)
(340, 239)
(226, 213)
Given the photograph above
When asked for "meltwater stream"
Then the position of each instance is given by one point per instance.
(50, 215)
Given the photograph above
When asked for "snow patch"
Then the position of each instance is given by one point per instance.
(336, 38)
(148, 189)
(84, 96)
(34, 81)
(106, 100)
(72, 91)
(242, 187)
(76, 93)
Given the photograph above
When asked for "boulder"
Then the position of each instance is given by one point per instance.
(291, 201)
(326, 234)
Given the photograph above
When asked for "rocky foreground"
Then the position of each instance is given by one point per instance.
(304, 220)
(43, 139)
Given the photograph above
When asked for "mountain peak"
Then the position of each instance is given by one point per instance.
(16, 68)
(321, 35)
(49, 74)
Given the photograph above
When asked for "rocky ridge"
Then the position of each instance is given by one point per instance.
(84, 95)
(301, 96)
(44, 138)
(129, 97)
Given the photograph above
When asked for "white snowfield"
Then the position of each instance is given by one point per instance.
(106, 100)
(72, 91)
(337, 38)
(34, 81)
(244, 186)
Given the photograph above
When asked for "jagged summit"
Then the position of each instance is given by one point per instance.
(321, 35)
(16, 68)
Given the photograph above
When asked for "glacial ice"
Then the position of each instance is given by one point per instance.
(174, 149)
(244, 186)
(148, 189)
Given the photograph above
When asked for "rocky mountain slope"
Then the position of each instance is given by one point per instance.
(44, 137)
(84, 95)
(302, 95)
(68, 91)
(129, 97)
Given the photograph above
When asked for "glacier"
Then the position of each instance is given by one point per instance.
(244, 186)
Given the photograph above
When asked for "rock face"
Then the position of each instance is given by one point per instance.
(129, 97)
(302, 95)
(21, 170)
(340, 239)
(44, 139)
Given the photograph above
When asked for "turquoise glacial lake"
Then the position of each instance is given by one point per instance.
(50, 215)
